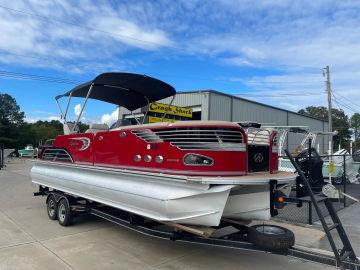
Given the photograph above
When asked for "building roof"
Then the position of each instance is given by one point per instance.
(247, 100)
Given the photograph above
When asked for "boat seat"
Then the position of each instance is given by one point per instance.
(121, 123)
(68, 128)
(94, 128)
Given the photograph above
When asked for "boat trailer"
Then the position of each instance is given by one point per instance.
(236, 239)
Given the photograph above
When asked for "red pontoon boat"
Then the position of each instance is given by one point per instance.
(190, 172)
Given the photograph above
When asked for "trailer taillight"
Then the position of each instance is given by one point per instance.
(279, 199)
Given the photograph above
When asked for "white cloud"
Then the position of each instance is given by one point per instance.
(33, 119)
(290, 43)
(110, 118)
(131, 34)
(295, 91)
(238, 61)
(77, 109)
(79, 34)
(30, 119)
(54, 118)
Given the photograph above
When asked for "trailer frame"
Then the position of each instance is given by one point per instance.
(156, 229)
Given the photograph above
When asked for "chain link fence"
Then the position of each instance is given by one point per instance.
(344, 178)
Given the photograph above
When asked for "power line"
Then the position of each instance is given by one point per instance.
(280, 95)
(285, 82)
(344, 103)
(169, 75)
(25, 76)
(25, 55)
(350, 101)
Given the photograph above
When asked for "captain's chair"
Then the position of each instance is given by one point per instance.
(68, 128)
(94, 128)
(121, 123)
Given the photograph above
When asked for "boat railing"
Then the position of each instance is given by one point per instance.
(258, 136)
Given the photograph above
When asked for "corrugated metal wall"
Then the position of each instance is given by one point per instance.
(248, 111)
(220, 107)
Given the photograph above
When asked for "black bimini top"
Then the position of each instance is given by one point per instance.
(129, 90)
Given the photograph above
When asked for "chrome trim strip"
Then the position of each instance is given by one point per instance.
(147, 135)
(145, 170)
(237, 134)
(84, 163)
(240, 147)
(181, 130)
(169, 171)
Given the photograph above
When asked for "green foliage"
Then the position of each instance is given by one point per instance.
(15, 133)
(10, 113)
(355, 124)
(340, 123)
(39, 131)
(319, 112)
(11, 118)
(83, 127)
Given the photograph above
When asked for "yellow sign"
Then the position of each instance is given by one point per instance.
(170, 109)
(331, 167)
(153, 119)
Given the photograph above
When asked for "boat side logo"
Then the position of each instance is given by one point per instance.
(258, 157)
(82, 142)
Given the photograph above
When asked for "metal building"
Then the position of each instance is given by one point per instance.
(214, 105)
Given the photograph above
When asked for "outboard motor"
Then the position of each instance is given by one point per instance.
(312, 171)
(356, 156)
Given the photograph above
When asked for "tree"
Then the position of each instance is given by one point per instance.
(319, 112)
(10, 111)
(355, 124)
(340, 123)
(11, 118)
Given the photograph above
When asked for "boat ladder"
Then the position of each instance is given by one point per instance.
(344, 254)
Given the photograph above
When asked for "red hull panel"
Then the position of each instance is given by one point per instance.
(114, 150)
(118, 149)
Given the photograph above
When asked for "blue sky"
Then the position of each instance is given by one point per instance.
(272, 51)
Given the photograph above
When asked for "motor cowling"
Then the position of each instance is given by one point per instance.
(312, 168)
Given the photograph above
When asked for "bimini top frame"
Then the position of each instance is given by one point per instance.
(129, 90)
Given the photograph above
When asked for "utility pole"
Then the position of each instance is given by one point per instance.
(326, 74)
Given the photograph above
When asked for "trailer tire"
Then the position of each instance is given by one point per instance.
(64, 215)
(271, 237)
(52, 207)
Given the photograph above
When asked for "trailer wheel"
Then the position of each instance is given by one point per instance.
(52, 207)
(64, 214)
(271, 237)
